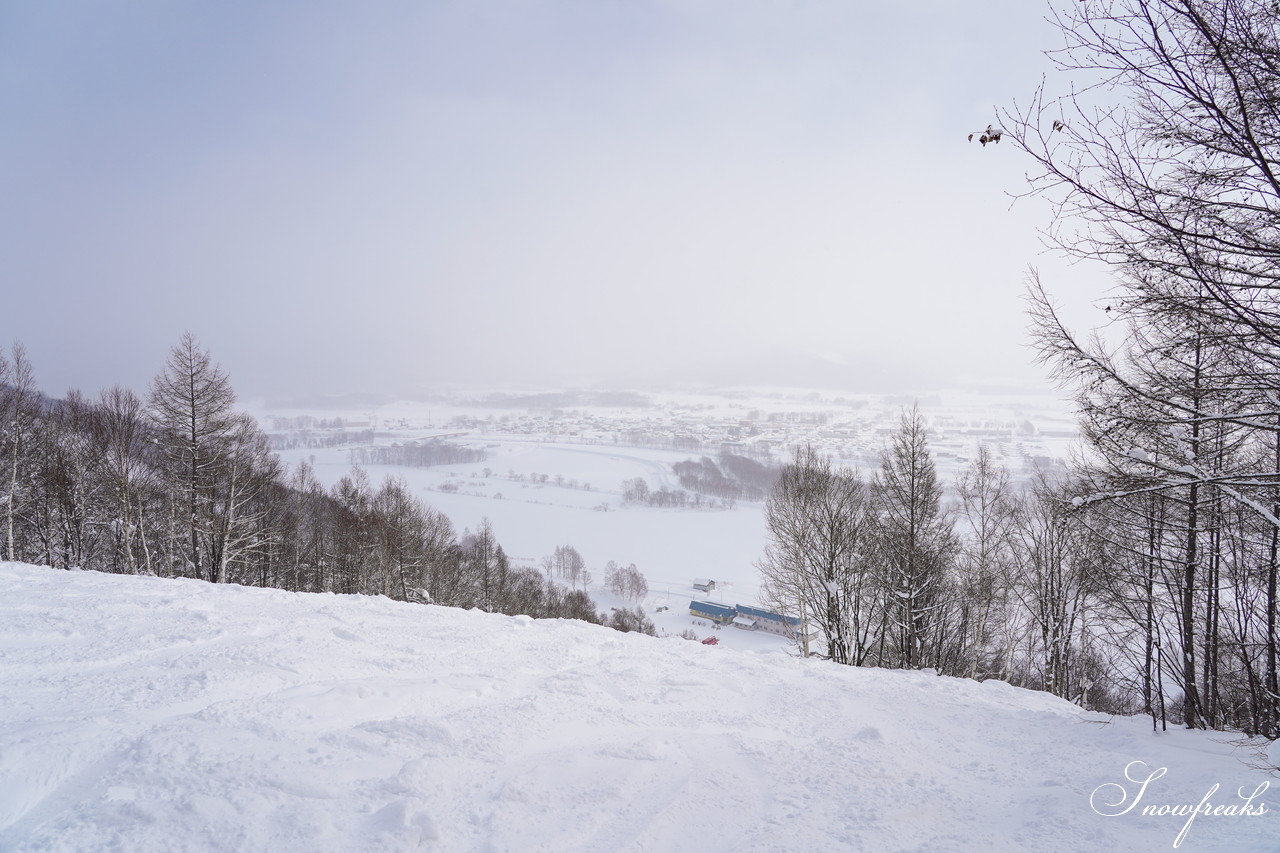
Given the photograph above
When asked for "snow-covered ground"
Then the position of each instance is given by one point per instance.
(670, 547)
(139, 714)
(553, 476)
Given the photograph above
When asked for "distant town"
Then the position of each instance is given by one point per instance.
(1023, 432)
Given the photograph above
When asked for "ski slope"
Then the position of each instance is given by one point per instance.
(139, 714)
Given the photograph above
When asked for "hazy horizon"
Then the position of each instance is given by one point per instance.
(532, 194)
(798, 377)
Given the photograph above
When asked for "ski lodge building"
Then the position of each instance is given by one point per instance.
(718, 613)
(746, 617)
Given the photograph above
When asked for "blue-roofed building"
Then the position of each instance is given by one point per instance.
(767, 620)
(746, 617)
(718, 613)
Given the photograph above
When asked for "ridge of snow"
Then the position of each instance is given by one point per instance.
(144, 714)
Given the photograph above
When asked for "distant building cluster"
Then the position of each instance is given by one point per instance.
(1022, 433)
(853, 431)
(747, 618)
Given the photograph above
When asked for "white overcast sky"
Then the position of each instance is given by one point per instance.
(393, 195)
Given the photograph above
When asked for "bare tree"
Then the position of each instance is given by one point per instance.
(191, 401)
(569, 565)
(627, 621)
(1052, 584)
(72, 484)
(238, 513)
(815, 560)
(19, 402)
(486, 565)
(635, 490)
(915, 544)
(1177, 187)
(614, 580)
(637, 586)
(985, 632)
(440, 546)
(1180, 184)
(352, 543)
(123, 433)
(308, 515)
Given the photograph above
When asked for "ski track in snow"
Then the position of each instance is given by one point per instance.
(140, 714)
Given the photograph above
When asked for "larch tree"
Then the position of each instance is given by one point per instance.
(1163, 161)
(916, 545)
(191, 402)
(484, 565)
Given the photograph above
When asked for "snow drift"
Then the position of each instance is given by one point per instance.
(141, 714)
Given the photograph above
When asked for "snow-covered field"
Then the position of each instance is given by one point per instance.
(581, 445)
(670, 546)
(139, 714)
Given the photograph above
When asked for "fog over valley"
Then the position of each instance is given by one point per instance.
(531, 195)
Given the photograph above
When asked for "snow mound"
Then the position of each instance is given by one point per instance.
(143, 715)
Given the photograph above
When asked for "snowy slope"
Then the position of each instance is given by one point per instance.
(139, 714)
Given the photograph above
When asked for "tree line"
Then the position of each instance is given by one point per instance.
(636, 491)
(887, 572)
(180, 484)
(1044, 585)
(1149, 577)
(1176, 189)
(417, 454)
(312, 440)
(729, 477)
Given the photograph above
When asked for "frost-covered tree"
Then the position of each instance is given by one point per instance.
(123, 432)
(816, 558)
(239, 508)
(19, 408)
(71, 484)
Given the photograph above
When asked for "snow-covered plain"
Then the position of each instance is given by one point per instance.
(139, 714)
(581, 445)
(671, 547)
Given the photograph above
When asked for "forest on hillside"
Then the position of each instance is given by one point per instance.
(1151, 572)
(181, 484)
